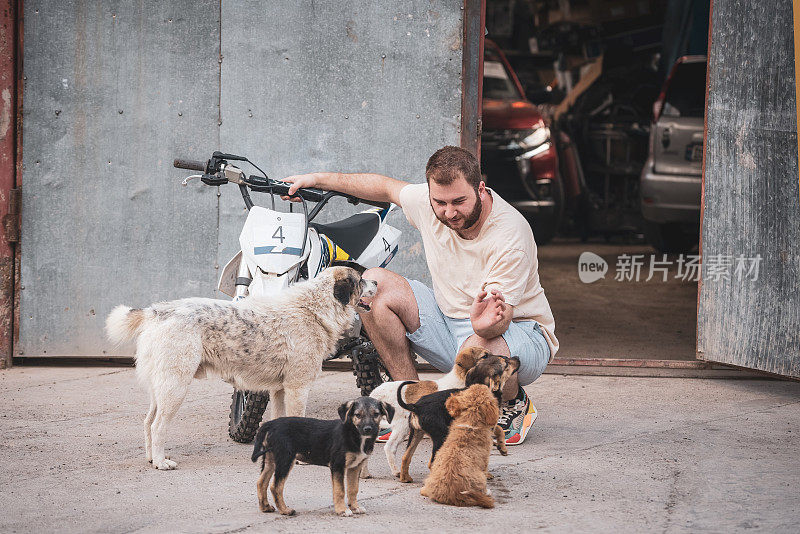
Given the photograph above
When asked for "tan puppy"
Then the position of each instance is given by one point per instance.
(459, 471)
(387, 392)
(491, 370)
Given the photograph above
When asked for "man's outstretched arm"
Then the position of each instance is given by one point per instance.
(368, 186)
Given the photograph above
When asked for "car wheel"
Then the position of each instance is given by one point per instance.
(670, 238)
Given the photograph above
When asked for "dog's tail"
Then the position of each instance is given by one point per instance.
(478, 498)
(260, 442)
(124, 323)
(403, 404)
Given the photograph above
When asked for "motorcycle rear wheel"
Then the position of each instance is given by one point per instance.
(247, 409)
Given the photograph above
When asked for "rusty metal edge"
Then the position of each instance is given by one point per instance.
(424, 366)
(9, 208)
(474, 22)
(571, 366)
(698, 352)
(19, 15)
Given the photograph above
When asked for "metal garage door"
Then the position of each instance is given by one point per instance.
(114, 91)
(749, 301)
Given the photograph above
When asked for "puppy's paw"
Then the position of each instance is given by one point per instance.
(165, 465)
(406, 478)
(489, 476)
(347, 513)
(289, 511)
(358, 510)
(266, 507)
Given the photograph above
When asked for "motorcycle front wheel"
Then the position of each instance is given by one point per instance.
(368, 368)
(247, 409)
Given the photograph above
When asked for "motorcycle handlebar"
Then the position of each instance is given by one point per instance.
(282, 188)
(189, 164)
(310, 194)
(267, 185)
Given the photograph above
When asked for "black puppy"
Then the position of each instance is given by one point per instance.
(343, 444)
(430, 416)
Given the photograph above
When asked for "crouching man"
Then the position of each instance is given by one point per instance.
(482, 257)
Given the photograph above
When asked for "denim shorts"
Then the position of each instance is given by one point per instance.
(439, 337)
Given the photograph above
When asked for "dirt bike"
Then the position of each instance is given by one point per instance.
(278, 249)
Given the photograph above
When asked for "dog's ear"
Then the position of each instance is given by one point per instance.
(387, 410)
(470, 376)
(514, 363)
(467, 358)
(344, 411)
(454, 405)
(343, 290)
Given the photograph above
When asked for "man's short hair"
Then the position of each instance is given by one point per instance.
(450, 163)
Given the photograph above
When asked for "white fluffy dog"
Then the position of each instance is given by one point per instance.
(274, 344)
(387, 392)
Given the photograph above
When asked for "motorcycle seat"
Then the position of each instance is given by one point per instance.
(352, 234)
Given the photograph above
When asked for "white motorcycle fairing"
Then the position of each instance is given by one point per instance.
(273, 240)
(271, 246)
(383, 246)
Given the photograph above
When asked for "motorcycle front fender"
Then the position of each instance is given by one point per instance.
(227, 280)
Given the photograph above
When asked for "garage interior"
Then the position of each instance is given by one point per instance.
(595, 69)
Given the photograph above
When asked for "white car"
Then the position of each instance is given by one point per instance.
(672, 175)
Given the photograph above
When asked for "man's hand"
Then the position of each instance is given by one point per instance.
(298, 181)
(489, 314)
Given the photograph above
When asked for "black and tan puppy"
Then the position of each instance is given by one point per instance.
(429, 414)
(343, 444)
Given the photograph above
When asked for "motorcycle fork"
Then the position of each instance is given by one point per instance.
(243, 279)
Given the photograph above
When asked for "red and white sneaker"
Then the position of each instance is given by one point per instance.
(383, 435)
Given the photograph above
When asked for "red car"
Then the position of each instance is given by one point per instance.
(519, 157)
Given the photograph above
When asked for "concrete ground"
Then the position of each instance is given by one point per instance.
(618, 319)
(606, 454)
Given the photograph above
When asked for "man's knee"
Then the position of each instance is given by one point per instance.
(379, 274)
(392, 287)
(386, 279)
(395, 296)
(495, 345)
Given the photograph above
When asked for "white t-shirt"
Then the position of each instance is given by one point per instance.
(502, 256)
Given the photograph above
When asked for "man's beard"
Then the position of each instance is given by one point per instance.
(469, 220)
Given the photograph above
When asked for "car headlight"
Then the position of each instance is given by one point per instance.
(537, 137)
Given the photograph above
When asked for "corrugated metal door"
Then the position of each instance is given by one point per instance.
(749, 299)
(114, 91)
